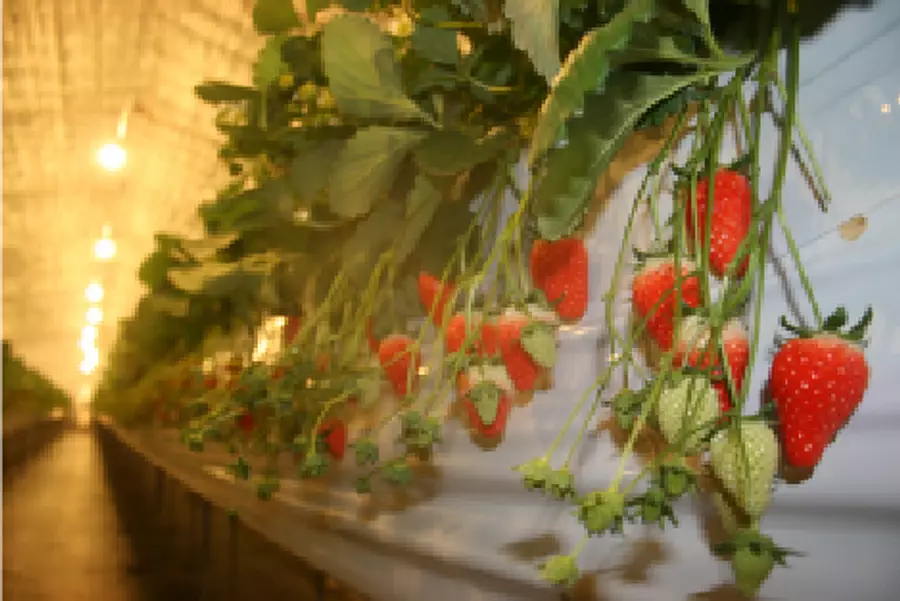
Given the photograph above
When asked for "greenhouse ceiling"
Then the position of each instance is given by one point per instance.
(79, 74)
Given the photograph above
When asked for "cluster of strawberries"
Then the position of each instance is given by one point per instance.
(816, 382)
(502, 353)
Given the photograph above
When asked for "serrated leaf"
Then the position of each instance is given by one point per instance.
(204, 249)
(535, 31)
(269, 65)
(372, 236)
(171, 305)
(274, 16)
(421, 207)
(194, 279)
(486, 399)
(539, 342)
(570, 173)
(585, 70)
(435, 45)
(214, 92)
(362, 74)
(310, 170)
(448, 152)
(366, 167)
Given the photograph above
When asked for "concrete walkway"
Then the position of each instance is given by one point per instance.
(62, 536)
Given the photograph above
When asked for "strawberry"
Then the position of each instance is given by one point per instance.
(210, 382)
(686, 413)
(396, 360)
(732, 216)
(744, 458)
(246, 422)
(334, 435)
(524, 363)
(485, 391)
(695, 350)
(817, 381)
(560, 270)
(435, 295)
(291, 329)
(484, 345)
(278, 372)
(653, 297)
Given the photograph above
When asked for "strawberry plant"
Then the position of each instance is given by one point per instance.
(422, 224)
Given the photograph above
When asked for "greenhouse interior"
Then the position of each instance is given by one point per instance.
(482, 300)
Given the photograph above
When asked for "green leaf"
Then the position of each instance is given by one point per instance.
(269, 66)
(421, 207)
(194, 279)
(571, 172)
(372, 236)
(535, 31)
(585, 70)
(274, 16)
(311, 170)
(366, 167)
(215, 92)
(539, 342)
(700, 8)
(486, 399)
(435, 45)
(448, 152)
(169, 304)
(362, 74)
(204, 249)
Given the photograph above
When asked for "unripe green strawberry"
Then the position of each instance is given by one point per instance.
(688, 412)
(745, 458)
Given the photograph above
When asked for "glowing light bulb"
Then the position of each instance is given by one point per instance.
(94, 293)
(94, 316)
(104, 249)
(87, 366)
(112, 157)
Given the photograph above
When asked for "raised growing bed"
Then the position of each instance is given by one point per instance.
(24, 437)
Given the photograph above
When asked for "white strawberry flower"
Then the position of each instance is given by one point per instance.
(463, 44)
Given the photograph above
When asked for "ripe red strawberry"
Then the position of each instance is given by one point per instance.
(655, 281)
(523, 370)
(334, 435)
(396, 360)
(560, 270)
(817, 381)
(485, 344)
(246, 422)
(485, 392)
(291, 329)
(210, 382)
(435, 295)
(732, 215)
(695, 350)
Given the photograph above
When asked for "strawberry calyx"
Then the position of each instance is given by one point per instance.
(834, 325)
